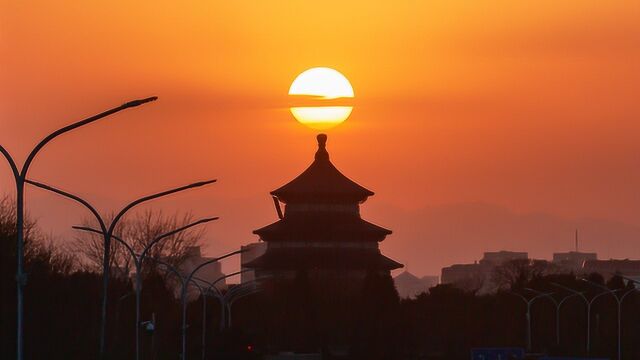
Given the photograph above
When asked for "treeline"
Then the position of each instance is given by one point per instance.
(445, 323)
(337, 319)
(63, 292)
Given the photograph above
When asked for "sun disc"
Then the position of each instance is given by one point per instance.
(321, 84)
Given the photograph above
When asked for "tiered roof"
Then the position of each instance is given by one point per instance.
(321, 182)
(322, 227)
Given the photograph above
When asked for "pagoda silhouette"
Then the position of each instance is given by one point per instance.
(321, 232)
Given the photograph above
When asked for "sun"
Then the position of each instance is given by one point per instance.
(318, 92)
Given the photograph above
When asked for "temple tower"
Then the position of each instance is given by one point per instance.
(320, 231)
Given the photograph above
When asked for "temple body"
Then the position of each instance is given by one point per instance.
(321, 232)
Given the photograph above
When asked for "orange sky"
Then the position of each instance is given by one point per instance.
(480, 125)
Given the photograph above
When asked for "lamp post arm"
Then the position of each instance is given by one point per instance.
(602, 294)
(213, 284)
(240, 292)
(172, 269)
(627, 293)
(194, 271)
(198, 286)
(565, 299)
(173, 232)
(630, 279)
(606, 289)
(116, 238)
(548, 295)
(246, 286)
(526, 301)
(538, 297)
(12, 163)
(152, 197)
(78, 124)
(75, 198)
(578, 293)
(241, 295)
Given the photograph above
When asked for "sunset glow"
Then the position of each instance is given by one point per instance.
(480, 125)
(318, 85)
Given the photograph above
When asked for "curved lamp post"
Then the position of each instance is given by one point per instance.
(218, 295)
(242, 291)
(185, 280)
(107, 233)
(529, 302)
(20, 177)
(558, 305)
(588, 303)
(619, 300)
(138, 261)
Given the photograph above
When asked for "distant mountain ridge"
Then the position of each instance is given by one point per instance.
(437, 236)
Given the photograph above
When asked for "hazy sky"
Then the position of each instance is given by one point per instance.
(461, 108)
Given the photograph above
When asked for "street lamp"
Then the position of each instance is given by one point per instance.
(238, 292)
(204, 304)
(528, 302)
(588, 303)
(138, 261)
(558, 305)
(107, 233)
(20, 177)
(185, 280)
(619, 300)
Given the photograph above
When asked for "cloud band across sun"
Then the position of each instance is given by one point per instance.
(321, 87)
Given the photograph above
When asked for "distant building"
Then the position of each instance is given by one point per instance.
(251, 252)
(409, 285)
(500, 257)
(211, 272)
(572, 261)
(466, 276)
(477, 276)
(608, 268)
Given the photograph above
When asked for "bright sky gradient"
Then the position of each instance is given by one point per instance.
(531, 106)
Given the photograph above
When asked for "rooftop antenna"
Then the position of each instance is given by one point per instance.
(576, 240)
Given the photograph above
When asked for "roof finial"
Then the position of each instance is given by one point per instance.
(322, 153)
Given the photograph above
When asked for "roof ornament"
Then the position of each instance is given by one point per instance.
(322, 153)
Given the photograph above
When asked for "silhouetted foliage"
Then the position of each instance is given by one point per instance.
(138, 231)
(358, 318)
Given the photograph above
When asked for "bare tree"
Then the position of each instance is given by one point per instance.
(39, 250)
(138, 231)
(518, 273)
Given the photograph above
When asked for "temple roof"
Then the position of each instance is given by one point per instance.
(342, 258)
(322, 227)
(322, 181)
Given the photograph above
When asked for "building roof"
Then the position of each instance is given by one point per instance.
(322, 227)
(324, 258)
(321, 182)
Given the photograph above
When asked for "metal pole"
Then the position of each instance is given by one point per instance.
(557, 325)
(188, 279)
(557, 305)
(108, 235)
(619, 330)
(588, 328)
(21, 278)
(588, 306)
(185, 283)
(20, 177)
(183, 299)
(204, 324)
(618, 301)
(138, 261)
(138, 292)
